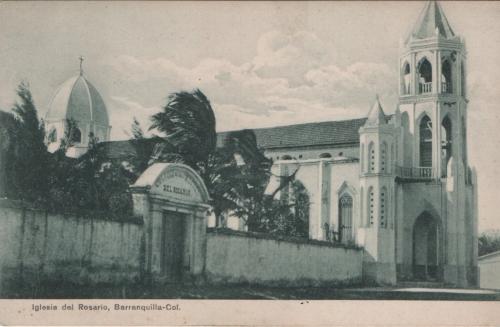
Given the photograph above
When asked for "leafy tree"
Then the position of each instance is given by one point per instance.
(489, 242)
(27, 162)
(7, 147)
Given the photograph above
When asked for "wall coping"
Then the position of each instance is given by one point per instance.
(83, 214)
(280, 238)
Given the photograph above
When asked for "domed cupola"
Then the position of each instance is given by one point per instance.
(79, 100)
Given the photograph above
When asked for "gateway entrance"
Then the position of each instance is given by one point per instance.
(173, 202)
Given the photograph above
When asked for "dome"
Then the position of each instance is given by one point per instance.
(78, 99)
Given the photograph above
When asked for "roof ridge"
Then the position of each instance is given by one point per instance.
(299, 124)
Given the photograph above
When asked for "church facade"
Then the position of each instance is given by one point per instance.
(398, 185)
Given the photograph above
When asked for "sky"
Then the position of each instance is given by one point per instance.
(261, 64)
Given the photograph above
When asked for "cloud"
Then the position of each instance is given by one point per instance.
(291, 79)
(122, 112)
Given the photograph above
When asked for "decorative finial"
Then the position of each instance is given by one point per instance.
(81, 58)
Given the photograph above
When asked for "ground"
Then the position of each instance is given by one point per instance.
(172, 291)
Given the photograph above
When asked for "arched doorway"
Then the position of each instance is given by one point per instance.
(426, 248)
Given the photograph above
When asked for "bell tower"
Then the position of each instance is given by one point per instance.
(433, 175)
(432, 94)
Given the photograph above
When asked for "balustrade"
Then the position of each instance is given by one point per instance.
(425, 87)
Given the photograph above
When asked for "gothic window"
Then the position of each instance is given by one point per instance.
(371, 158)
(425, 142)
(76, 136)
(446, 142)
(446, 77)
(325, 155)
(383, 207)
(406, 78)
(462, 78)
(345, 218)
(464, 141)
(362, 156)
(371, 206)
(393, 159)
(52, 137)
(425, 76)
(383, 158)
(361, 205)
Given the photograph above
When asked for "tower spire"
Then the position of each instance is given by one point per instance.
(431, 22)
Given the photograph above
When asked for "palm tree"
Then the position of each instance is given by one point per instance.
(231, 172)
(188, 122)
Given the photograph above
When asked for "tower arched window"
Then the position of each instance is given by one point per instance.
(446, 142)
(345, 218)
(406, 78)
(462, 79)
(371, 157)
(383, 207)
(371, 206)
(362, 158)
(424, 76)
(425, 142)
(446, 77)
(52, 137)
(76, 136)
(383, 158)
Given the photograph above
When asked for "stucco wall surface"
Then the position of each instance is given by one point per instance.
(36, 246)
(238, 258)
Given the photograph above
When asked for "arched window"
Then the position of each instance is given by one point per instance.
(325, 155)
(392, 159)
(361, 205)
(345, 218)
(52, 137)
(76, 136)
(446, 77)
(406, 78)
(383, 158)
(383, 207)
(446, 145)
(286, 157)
(425, 142)
(371, 158)
(462, 78)
(425, 76)
(371, 206)
(464, 141)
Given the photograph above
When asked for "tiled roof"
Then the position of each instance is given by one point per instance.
(310, 134)
(329, 133)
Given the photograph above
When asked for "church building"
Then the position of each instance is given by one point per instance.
(399, 186)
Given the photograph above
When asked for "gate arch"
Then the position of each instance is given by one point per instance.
(173, 202)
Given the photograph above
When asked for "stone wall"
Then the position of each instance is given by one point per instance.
(36, 246)
(240, 257)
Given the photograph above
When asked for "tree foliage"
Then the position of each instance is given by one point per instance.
(26, 156)
(488, 242)
(236, 172)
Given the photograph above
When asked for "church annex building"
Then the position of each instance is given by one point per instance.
(399, 186)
